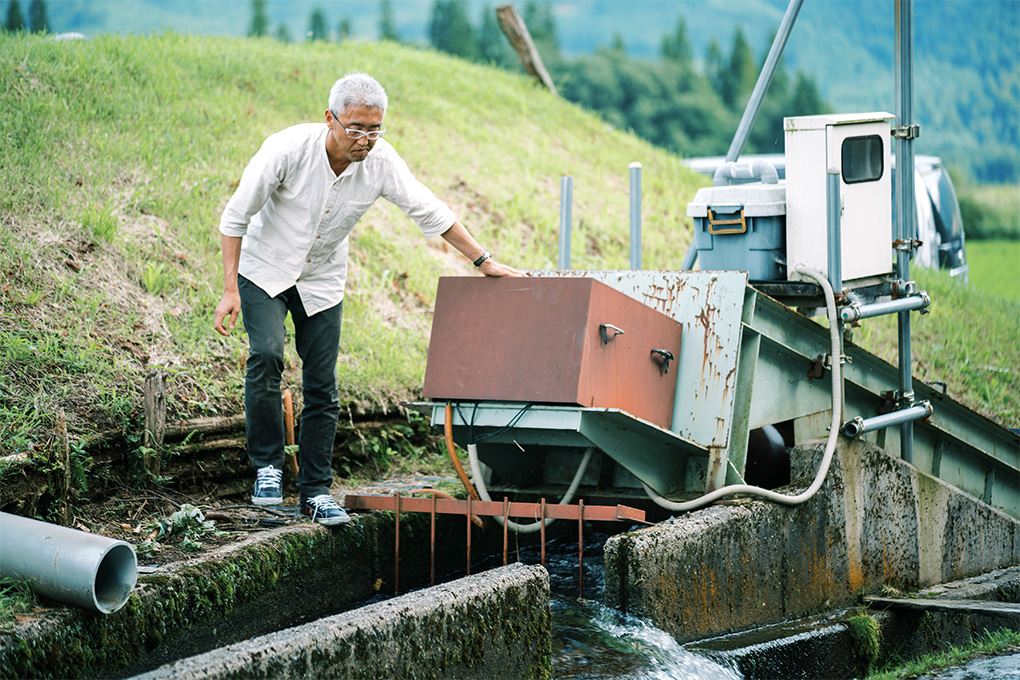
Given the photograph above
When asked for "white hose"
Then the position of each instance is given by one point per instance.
(830, 446)
(476, 472)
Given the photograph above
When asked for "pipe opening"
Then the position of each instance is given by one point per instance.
(116, 576)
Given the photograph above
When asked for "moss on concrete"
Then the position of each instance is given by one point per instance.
(73, 643)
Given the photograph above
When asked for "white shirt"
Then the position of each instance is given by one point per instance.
(294, 214)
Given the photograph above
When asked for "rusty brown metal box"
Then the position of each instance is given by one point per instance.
(551, 340)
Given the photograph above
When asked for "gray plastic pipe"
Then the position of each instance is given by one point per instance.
(830, 445)
(67, 565)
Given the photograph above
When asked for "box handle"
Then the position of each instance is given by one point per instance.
(665, 356)
(712, 222)
(604, 329)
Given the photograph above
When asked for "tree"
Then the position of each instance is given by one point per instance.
(387, 25)
(493, 47)
(15, 22)
(677, 48)
(317, 25)
(344, 29)
(538, 17)
(738, 79)
(259, 20)
(450, 30)
(283, 33)
(805, 100)
(37, 17)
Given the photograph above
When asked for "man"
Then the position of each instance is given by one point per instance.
(284, 235)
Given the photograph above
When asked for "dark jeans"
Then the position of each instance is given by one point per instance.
(317, 338)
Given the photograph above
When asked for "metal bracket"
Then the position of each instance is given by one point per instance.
(906, 131)
(603, 330)
(667, 357)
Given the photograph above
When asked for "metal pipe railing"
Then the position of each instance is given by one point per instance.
(764, 79)
(859, 426)
(635, 215)
(67, 565)
(566, 205)
(905, 214)
(855, 312)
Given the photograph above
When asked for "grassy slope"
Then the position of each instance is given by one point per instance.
(119, 154)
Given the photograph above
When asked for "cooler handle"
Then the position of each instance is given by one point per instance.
(712, 222)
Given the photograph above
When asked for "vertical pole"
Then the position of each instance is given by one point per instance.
(396, 549)
(506, 521)
(432, 544)
(566, 205)
(834, 207)
(635, 215)
(468, 517)
(542, 530)
(580, 549)
(905, 213)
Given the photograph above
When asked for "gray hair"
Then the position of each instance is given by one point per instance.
(357, 89)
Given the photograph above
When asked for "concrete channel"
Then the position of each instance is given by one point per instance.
(761, 587)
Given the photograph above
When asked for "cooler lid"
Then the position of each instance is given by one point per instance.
(756, 200)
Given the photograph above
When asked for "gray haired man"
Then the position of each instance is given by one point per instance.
(284, 234)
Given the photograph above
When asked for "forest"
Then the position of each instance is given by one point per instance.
(676, 73)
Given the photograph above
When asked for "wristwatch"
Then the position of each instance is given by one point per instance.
(485, 256)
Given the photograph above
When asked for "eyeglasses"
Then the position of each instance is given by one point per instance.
(358, 134)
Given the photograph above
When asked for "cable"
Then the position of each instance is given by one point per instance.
(830, 446)
(476, 472)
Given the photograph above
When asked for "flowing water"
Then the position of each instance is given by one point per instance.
(591, 640)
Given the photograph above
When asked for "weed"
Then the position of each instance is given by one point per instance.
(984, 644)
(16, 598)
(100, 222)
(157, 278)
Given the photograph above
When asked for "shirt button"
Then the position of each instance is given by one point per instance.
(327, 211)
(308, 260)
(318, 236)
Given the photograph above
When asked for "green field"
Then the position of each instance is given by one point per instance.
(995, 267)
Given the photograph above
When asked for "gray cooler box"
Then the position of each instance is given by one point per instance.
(741, 227)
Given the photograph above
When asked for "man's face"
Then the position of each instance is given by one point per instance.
(353, 121)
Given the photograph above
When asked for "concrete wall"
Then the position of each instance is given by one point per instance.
(493, 625)
(876, 521)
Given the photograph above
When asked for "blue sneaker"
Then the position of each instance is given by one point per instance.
(268, 486)
(324, 510)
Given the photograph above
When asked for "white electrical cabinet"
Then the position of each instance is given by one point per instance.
(857, 147)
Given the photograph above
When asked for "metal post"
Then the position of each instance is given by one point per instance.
(905, 213)
(566, 203)
(835, 250)
(635, 215)
(396, 549)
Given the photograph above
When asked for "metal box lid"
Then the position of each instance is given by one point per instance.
(554, 341)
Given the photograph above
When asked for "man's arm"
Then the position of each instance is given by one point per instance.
(230, 303)
(458, 237)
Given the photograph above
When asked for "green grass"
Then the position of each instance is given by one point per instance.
(995, 267)
(991, 212)
(16, 599)
(982, 645)
(969, 340)
(120, 153)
